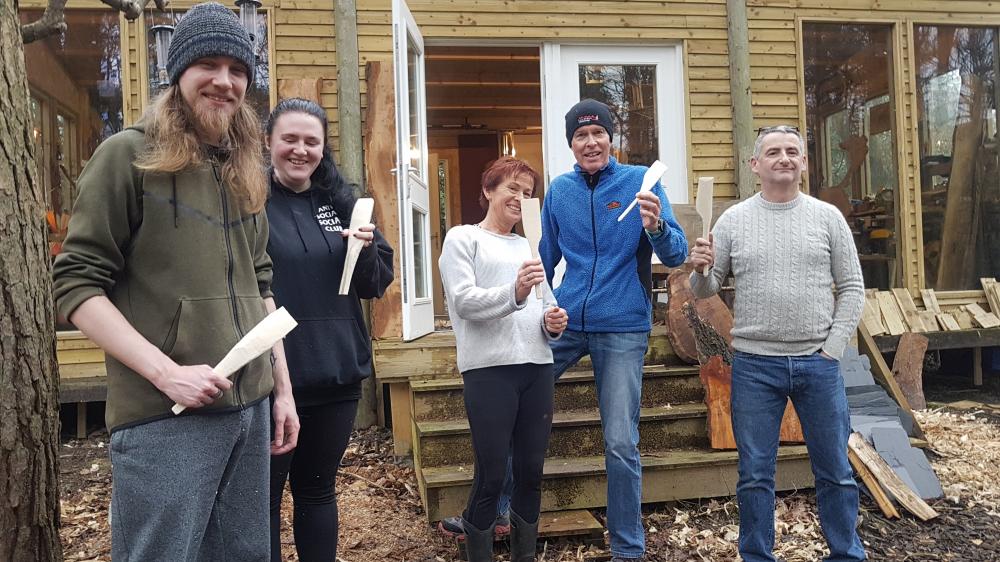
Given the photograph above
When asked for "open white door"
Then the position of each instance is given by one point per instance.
(644, 86)
(411, 174)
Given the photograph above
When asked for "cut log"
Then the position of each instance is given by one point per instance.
(885, 476)
(893, 316)
(711, 310)
(908, 368)
(716, 376)
(883, 501)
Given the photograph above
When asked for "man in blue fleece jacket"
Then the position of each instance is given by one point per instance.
(606, 292)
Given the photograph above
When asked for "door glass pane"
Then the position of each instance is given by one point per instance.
(630, 91)
(413, 82)
(419, 250)
(957, 125)
(850, 97)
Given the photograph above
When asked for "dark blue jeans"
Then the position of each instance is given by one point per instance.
(761, 387)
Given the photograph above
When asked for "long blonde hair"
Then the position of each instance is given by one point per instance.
(173, 145)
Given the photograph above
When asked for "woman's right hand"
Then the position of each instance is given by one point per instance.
(530, 274)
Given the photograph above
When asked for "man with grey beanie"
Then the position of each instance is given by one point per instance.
(165, 268)
(607, 295)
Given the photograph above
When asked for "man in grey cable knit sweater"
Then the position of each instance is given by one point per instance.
(786, 250)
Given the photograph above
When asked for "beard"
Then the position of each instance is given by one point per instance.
(210, 124)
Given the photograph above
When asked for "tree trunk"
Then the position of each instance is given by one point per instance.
(29, 406)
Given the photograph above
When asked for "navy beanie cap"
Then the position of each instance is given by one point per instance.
(209, 30)
(588, 112)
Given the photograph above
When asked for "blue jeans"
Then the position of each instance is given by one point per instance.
(617, 360)
(761, 387)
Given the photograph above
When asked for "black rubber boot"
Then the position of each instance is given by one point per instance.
(523, 538)
(478, 544)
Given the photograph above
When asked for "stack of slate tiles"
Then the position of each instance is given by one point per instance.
(877, 417)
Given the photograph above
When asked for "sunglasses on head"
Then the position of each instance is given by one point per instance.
(775, 128)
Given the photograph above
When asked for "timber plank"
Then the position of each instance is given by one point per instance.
(908, 367)
(992, 296)
(930, 300)
(909, 308)
(948, 322)
(888, 478)
(959, 339)
(983, 318)
(891, 313)
(573, 522)
(872, 317)
(883, 501)
(963, 318)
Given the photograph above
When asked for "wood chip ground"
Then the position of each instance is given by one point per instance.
(381, 518)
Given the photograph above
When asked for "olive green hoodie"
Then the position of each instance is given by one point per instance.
(176, 255)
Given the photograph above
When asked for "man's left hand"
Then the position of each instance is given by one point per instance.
(649, 208)
(286, 425)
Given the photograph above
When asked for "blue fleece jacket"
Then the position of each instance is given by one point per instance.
(608, 272)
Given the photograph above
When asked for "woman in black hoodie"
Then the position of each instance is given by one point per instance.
(329, 353)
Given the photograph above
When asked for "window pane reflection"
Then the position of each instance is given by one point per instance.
(630, 91)
(419, 250)
(850, 102)
(413, 80)
(957, 127)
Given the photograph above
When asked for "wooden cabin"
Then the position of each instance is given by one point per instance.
(897, 98)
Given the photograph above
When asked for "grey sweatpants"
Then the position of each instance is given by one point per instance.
(192, 488)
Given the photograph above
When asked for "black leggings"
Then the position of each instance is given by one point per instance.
(312, 469)
(510, 412)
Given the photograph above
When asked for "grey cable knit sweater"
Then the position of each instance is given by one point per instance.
(478, 271)
(785, 257)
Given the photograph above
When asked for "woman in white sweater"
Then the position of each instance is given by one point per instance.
(502, 330)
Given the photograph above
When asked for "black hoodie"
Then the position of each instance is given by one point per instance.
(329, 353)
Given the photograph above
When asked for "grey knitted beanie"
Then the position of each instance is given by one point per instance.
(209, 30)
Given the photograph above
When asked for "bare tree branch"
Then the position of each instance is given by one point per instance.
(53, 21)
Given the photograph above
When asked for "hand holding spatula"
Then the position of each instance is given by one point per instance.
(260, 339)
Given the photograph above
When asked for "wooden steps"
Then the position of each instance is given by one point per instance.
(441, 399)
(573, 433)
(429, 423)
(580, 482)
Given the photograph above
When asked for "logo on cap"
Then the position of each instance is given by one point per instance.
(586, 118)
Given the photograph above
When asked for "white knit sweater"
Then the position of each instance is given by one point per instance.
(785, 257)
(478, 271)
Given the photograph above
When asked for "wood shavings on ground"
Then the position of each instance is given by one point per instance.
(381, 518)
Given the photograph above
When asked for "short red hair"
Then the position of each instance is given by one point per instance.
(503, 168)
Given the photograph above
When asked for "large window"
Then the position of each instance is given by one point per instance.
(956, 88)
(852, 141)
(258, 96)
(630, 92)
(76, 102)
